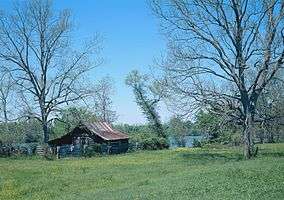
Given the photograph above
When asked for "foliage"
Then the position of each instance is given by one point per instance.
(70, 118)
(146, 141)
(147, 99)
(17, 149)
(93, 150)
(167, 174)
(132, 129)
(178, 130)
(24, 131)
(218, 130)
(208, 123)
(196, 143)
(141, 137)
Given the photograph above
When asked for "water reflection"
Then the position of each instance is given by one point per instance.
(188, 141)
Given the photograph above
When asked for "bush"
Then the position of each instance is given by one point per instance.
(5, 151)
(141, 138)
(17, 149)
(93, 150)
(180, 141)
(163, 143)
(196, 143)
(147, 142)
(229, 138)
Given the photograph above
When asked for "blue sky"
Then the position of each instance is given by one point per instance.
(131, 41)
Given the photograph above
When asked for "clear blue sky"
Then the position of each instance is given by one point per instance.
(131, 41)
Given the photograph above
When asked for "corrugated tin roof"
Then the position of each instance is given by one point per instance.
(100, 129)
(105, 131)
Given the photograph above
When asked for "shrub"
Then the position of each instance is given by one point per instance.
(181, 141)
(196, 143)
(147, 142)
(142, 138)
(163, 143)
(17, 149)
(93, 150)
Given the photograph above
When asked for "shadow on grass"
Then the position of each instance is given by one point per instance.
(272, 154)
(207, 157)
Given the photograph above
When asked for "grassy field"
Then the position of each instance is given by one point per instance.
(169, 174)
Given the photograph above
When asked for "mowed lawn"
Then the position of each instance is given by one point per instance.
(208, 173)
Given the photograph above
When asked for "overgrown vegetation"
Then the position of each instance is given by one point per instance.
(142, 137)
(147, 98)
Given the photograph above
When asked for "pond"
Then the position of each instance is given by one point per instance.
(188, 141)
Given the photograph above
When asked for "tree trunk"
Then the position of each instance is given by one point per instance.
(270, 138)
(45, 132)
(44, 120)
(248, 133)
(261, 138)
(261, 134)
(5, 114)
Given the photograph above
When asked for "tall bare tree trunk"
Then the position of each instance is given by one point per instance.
(45, 132)
(270, 138)
(5, 114)
(44, 124)
(248, 133)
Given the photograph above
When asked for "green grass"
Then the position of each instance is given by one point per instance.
(219, 173)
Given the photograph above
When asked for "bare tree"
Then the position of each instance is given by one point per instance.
(222, 54)
(7, 85)
(36, 42)
(102, 100)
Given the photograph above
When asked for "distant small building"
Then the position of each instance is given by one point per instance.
(112, 141)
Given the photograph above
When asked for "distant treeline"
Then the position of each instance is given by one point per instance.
(142, 135)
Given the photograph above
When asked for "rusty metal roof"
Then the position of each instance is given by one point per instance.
(100, 129)
(105, 131)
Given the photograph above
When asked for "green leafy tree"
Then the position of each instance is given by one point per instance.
(141, 137)
(178, 129)
(208, 124)
(217, 129)
(147, 98)
(21, 131)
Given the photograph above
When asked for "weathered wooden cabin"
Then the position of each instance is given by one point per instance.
(111, 141)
